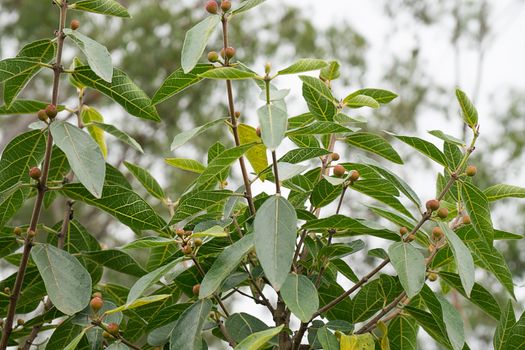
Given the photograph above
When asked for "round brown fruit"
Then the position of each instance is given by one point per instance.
(442, 213)
(229, 52)
(212, 7)
(187, 250)
(354, 176)
(432, 276)
(213, 56)
(113, 328)
(403, 231)
(196, 289)
(75, 24)
(51, 111)
(437, 234)
(226, 5)
(96, 303)
(471, 170)
(432, 205)
(35, 173)
(339, 170)
(466, 219)
(258, 131)
(335, 156)
(42, 115)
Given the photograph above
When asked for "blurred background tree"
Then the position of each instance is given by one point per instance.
(148, 48)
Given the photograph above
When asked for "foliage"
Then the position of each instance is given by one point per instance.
(215, 243)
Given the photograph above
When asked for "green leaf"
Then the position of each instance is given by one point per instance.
(331, 71)
(247, 5)
(381, 96)
(469, 112)
(224, 265)
(402, 333)
(89, 115)
(179, 81)
(319, 128)
(375, 144)
(186, 334)
(67, 282)
(446, 317)
(118, 345)
(194, 203)
(241, 325)
(121, 135)
(424, 147)
(17, 72)
(257, 154)
(148, 181)
(463, 258)
(273, 122)
(400, 184)
(479, 295)
(300, 295)
(196, 40)
(341, 222)
(478, 209)
(221, 162)
(373, 296)
(504, 328)
(74, 343)
(448, 138)
(116, 260)
(104, 7)
(186, 164)
(357, 342)
(319, 98)
(257, 340)
(324, 193)
(303, 65)
(25, 107)
(149, 279)
(496, 192)
(327, 340)
(150, 242)
(121, 89)
(410, 266)
(20, 154)
(516, 337)
(124, 204)
(299, 155)
(490, 259)
(83, 154)
(275, 230)
(359, 101)
(372, 188)
(97, 55)
(138, 303)
(64, 334)
(228, 73)
(185, 136)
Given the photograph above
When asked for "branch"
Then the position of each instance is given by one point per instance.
(426, 216)
(28, 243)
(233, 120)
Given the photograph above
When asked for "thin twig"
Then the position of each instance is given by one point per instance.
(276, 174)
(233, 121)
(13, 299)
